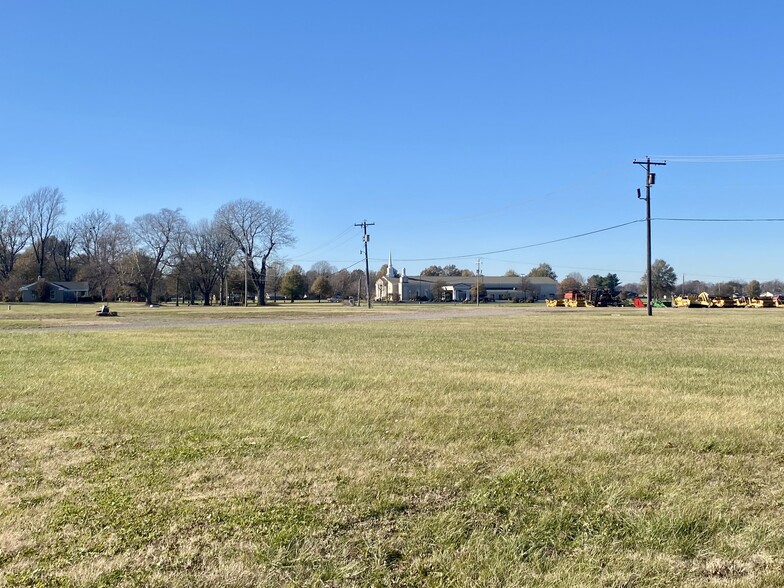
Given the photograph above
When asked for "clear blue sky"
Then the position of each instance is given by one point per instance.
(461, 129)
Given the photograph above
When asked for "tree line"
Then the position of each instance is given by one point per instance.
(157, 255)
(664, 283)
(162, 255)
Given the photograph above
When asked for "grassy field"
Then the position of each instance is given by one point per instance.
(321, 445)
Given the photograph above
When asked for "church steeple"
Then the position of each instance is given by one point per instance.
(391, 271)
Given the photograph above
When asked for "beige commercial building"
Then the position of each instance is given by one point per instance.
(396, 286)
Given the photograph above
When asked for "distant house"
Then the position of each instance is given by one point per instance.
(395, 286)
(46, 291)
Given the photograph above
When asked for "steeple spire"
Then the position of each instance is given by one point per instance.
(391, 271)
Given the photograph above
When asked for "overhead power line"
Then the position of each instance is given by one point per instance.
(540, 244)
(578, 236)
(722, 158)
(330, 242)
(348, 267)
(722, 220)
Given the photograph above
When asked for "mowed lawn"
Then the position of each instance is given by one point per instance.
(454, 447)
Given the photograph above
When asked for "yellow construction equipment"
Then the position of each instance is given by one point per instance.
(724, 302)
(700, 301)
(763, 302)
(576, 299)
(683, 301)
(705, 301)
(741, 301)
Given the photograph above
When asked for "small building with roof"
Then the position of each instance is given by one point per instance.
(47, 291)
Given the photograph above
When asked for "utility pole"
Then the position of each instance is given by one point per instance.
(366, 239)
(650, 179)
(478, 273)
(246, 281)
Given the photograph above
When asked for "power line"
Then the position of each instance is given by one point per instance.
(722, 158)
(572, 237)
(722, 220)
(348, 267)
(347, 230)
(486, 253)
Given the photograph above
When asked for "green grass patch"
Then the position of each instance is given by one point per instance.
(405, 445)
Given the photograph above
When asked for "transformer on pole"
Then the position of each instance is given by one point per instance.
(366, 239)
(650, 180)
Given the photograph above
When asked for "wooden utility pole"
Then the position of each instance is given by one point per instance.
(366, 239)
(478, 274)
(649, 181)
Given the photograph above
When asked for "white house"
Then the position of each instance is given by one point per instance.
(396, 287)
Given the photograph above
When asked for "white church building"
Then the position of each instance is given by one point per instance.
(399, 287)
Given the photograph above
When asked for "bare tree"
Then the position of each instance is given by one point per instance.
(13, 238)
(155, 234)
(89, 229)
(179, 250)
(102, 244)
(323, 268)
(320, 269)
(115, 248)
(341, 282)
(62, 251)
(567, 284)
(527, 289)
(276, 269)
(42, 211)
(224, 250)
(693, 287)
(357, 280)
(257, 230)
(209, 256)
(754, 289)
(437, 290)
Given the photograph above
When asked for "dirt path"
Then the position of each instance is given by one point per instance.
(153, 321)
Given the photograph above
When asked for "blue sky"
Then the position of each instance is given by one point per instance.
(461, 130)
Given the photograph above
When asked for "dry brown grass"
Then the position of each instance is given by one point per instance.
(517, 448)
